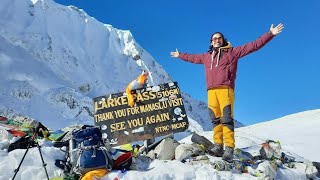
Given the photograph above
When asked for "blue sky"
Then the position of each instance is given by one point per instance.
(280, 79)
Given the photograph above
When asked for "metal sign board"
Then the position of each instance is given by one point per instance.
(158, 111)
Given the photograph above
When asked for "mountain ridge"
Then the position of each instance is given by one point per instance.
(56, 59)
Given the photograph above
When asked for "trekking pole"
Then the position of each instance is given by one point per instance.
(29, 145)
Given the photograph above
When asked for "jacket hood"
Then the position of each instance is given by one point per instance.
(224, 47)
(211, 48)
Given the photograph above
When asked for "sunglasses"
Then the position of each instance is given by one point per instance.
(217, 38)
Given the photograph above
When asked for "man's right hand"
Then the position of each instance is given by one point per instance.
(175, 53)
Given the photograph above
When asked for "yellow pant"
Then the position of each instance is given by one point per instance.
(220, 106)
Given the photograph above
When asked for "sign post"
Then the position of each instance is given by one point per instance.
(158, 111)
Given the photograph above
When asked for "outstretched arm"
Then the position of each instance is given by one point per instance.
(193, 58)
(259, 43)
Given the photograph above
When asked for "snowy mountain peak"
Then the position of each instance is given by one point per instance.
(55, 59)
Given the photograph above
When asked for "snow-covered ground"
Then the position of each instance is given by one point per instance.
(297, 134)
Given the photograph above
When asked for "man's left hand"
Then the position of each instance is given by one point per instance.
(276, 30)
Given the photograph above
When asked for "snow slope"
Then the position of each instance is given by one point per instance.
(248, 138)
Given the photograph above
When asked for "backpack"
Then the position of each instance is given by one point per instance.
(90, 151)
(85, 152)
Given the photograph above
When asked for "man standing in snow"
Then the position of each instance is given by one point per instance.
(220, 64)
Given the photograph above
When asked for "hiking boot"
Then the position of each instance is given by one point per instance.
(216, 150)
(228, 154)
